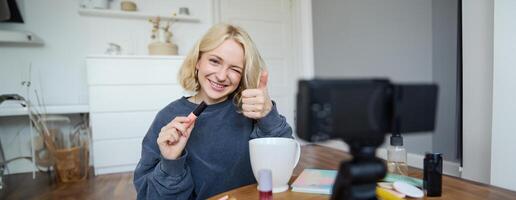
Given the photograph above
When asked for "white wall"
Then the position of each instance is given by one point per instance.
(59, 72)
(370, 38)
(477, 33)
(503, 138)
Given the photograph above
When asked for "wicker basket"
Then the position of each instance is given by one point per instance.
(71, 164)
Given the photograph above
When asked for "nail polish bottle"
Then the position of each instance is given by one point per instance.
(265, 184)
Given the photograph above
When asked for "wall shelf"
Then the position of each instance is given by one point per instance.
(171, 57)
(133, 15)
(61, 109)
(19, 37)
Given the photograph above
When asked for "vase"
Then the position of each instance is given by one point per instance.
(162, 48)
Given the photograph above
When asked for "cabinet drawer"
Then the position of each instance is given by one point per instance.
(120, 98)
(116, 152)
(132, 71)
(121, 124)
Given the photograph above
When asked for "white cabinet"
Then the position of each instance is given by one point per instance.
(125, 93)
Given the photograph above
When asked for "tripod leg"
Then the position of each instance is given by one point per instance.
(2, 165)
(342, 186)
(357, 179)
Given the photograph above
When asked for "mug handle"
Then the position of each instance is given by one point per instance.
(298, 153)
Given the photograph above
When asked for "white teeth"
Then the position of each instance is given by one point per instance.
(216, 85)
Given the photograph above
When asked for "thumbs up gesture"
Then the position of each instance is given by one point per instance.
(256, 103)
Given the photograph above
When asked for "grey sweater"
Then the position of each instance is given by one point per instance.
(215, 159)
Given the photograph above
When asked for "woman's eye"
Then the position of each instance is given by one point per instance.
(236, 70)
(214, 61)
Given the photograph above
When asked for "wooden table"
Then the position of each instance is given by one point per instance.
(315, 156)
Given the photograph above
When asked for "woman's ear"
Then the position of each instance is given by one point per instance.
(196, 71)
(197, 65)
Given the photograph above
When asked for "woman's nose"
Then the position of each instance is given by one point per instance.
(221, 74)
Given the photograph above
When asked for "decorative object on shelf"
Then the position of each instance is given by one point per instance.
(157, 46)
(85, 4)
(113, 49)
(100, 4)
(155, 29)
(97, 4)
(127, 5)
(184, 11)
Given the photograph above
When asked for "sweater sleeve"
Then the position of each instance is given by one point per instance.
(272, 125)
(156, 177)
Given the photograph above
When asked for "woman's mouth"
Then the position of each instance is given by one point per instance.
(217, 86)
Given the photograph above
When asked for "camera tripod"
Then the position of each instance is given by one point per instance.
(357, 177)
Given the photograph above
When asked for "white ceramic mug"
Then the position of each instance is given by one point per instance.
(280, 155)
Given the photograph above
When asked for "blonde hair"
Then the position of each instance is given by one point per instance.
(253, 62)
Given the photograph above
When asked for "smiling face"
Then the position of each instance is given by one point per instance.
(220, 71)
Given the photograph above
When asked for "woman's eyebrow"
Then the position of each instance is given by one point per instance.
(218, 57)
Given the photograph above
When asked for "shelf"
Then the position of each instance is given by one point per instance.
(132, 15)
(136, 57)
(67, 109)
(19, 37)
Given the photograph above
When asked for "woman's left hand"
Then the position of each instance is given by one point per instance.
(256, 103)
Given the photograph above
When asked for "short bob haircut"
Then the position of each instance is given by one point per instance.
(253, 62)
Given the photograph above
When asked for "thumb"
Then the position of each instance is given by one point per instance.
(264, 78)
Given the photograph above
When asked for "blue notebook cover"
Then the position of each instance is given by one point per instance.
(317, 181)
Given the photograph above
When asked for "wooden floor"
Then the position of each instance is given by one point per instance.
(113, 186)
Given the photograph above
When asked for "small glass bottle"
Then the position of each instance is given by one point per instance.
(265, 184)
(432, 174)
(397, 156)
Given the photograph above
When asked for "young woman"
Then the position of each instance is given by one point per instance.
(211, 155)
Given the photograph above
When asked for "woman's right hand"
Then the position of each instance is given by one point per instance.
(173, 137)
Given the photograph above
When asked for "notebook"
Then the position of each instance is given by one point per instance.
(317, 181)
(390, 177)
